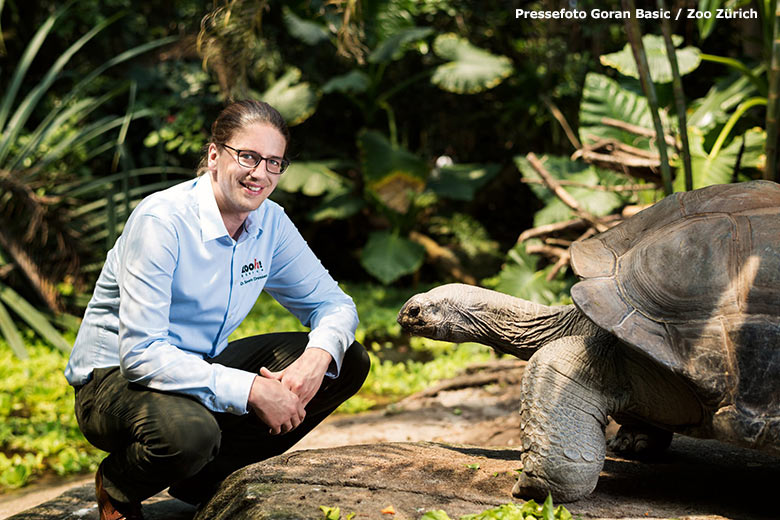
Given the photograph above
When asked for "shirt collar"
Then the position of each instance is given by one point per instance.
(211, 223)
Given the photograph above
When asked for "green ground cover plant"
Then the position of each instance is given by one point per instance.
(38, 430)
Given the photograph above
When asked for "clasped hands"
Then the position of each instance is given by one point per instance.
(279, 398)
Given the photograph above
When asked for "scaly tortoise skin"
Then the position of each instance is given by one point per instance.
(675, 327)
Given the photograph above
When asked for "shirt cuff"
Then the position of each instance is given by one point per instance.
(232, 389)
(336, 354)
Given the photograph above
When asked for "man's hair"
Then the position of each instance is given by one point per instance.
(237, 116)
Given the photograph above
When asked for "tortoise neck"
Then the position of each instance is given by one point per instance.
(520, 327)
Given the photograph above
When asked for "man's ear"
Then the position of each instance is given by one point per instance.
(212, 155)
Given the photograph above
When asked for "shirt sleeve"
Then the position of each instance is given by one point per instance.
(299, 282)
(146, 353)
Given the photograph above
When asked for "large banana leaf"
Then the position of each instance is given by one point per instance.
(461, 181)
(520, 277)
(393, 47)
(596, 202)
(720, 169)
(603, 97)
(469, 69)
(295, 101)
(688, 59)
(387, 256)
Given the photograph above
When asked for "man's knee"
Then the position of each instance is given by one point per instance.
(355, 366)
(182, 444)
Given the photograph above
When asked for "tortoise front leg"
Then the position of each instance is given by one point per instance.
(569, 388)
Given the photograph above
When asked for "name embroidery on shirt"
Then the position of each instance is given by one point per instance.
(252, 272)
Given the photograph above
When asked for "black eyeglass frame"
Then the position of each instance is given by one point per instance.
(284, 163)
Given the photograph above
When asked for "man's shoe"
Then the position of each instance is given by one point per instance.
(108, 509)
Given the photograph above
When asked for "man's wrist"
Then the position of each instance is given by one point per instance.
(320, 357)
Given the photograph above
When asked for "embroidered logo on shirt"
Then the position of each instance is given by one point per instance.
(252, 272)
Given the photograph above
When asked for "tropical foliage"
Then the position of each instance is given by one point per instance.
(432, 142)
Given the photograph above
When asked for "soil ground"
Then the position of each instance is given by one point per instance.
(693, 479)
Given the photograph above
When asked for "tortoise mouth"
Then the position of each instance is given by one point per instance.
(411, 319)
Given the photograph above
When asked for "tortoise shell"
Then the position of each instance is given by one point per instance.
(693, 282)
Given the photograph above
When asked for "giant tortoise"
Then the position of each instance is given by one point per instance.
(675, 327)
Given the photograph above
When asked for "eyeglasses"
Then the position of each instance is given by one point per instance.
(250, 159)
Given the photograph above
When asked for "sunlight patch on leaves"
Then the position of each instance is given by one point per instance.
(688, 59)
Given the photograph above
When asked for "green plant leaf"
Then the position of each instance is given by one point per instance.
(437, 514)
(720, 169)
(390, 173)
(24, 64)
(547, 508)
(380, 159)
(337, 206)
(713, 109)
(387, 256)
(706, 25)
(393, 47)
(603, 97)
(312, 178)
(11, 334)
(596, 202)
(688, 59)
(307, 31)
(469, 69)
(295, 101)
(519, 277)
(34, 319)
(330, 513)
(28, 104)
(353, 82)
(461, 181)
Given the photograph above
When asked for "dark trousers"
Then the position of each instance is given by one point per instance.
(158, 439)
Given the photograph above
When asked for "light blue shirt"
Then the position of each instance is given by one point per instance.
(176, 285)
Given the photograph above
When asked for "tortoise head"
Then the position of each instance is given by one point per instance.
(441, 313)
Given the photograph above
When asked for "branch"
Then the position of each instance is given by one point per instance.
(596, 187)
(558, 242)
(558, 115)
(564, 260)
(637, 130)
(613, 144)
(562, 194)
(548, 229)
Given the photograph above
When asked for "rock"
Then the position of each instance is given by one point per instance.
(365, 479)
(695, 479)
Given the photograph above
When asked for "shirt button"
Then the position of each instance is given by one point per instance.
(231, 409)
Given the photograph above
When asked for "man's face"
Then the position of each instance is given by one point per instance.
(238, 189)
